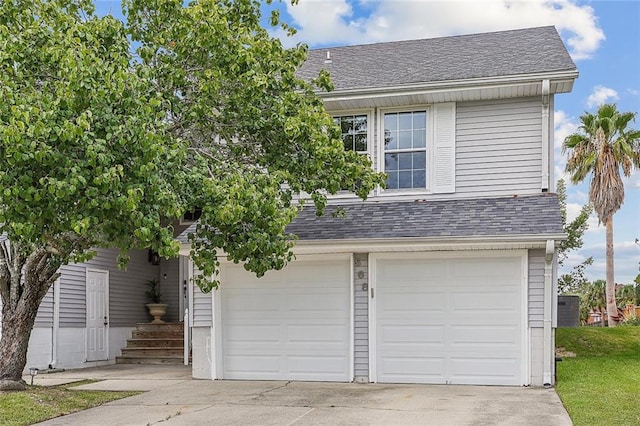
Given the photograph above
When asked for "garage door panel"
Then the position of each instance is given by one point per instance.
(467, 322)
(395, 301)
(422, 369)
(413, 334)
(316, 365)
(257, 333)
(478, 370)
(486, 301)
(303, 333)
(317, 334)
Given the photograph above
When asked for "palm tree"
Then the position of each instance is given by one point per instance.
(601, 147)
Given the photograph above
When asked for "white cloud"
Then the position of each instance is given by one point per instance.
(323, 22)
(600, 95)
(563, 126)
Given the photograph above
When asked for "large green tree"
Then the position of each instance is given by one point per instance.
(110, 129)
(603, 146)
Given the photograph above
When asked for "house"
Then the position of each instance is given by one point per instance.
(448, 275)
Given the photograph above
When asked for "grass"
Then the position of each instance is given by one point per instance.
(39, 403)
(601, 384)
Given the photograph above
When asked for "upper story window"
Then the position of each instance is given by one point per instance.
(354, 129)
(405, 149)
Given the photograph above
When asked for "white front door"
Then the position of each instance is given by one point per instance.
(97, 315)
(448, 319)
(293, 324)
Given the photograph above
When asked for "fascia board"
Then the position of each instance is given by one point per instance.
(376, 245)
(438, 86)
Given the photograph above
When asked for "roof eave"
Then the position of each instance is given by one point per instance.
(467, 84)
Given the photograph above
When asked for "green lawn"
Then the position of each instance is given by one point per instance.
(601, 385)
(39, 403)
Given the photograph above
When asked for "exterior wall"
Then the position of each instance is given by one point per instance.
(499, 147)
(44, 318)
(536, 356)
(72, 347)
(126, 289)
(361, 311)
(202, 309)
(39, 354)
(536, 288)
(170, 288)
(118, 339)
(201, 353)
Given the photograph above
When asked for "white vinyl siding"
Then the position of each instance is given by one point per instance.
(170, 287)
(361, 313)
(202, 311)
(126, 289)
(498, 147)
(44, 318)
(536, 288)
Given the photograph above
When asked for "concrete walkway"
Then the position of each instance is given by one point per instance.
(173, 398)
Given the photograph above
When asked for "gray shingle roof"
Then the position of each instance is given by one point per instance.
(504, 53)
(490, 217)
(429, 219)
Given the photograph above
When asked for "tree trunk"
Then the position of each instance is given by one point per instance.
(16, 329)
(612, 308)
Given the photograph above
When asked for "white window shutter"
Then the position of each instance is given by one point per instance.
(444, 148)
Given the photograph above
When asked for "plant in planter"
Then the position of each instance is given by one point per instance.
(156, 308)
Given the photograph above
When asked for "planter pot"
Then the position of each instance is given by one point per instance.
(157, 310)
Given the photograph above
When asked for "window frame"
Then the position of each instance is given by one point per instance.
(370, 113)
(429, 148)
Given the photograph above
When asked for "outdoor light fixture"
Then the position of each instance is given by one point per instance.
(154, 257)
(33, 372)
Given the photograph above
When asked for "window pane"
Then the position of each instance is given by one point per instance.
(390, 162)
(345, 125)
(392, 180)
(404, 179)
(404, 138)
(404, 121)
(360, 124)
(390, 140)
(420, 120)
(347, 140)
(391, 121)
(405, 162)
(360, 142)
(419, 179)
(419, 138)
(419, 160)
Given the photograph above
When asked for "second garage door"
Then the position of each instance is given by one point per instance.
(292, 324)
(448, 320)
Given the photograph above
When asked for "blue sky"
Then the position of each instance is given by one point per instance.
(603, 38)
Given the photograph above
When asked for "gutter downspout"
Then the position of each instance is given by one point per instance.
(56, 324)
(545, 136)
(548, 349)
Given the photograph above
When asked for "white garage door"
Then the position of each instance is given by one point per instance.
(448, 320)
(292, 324)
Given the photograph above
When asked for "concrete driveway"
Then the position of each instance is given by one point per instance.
(173, 398)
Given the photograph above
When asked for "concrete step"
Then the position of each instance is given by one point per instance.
(150, 360)
(173, 326)
(153, 352)
(157, 334)
(156, 343)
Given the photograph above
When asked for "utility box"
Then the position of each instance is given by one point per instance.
(568, 311)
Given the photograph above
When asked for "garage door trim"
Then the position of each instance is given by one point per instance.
(217, 366)
(522, 255)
